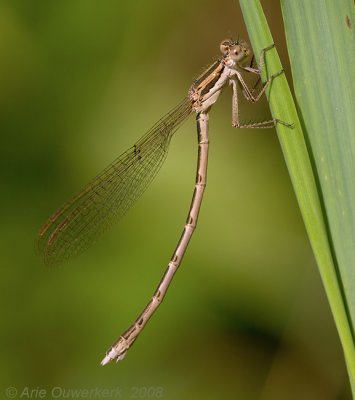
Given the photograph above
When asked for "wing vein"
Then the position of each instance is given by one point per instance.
(107, 197)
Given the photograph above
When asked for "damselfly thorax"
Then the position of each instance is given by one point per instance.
(205, 90)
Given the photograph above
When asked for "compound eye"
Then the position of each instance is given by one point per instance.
(225, 45)
(235, 52)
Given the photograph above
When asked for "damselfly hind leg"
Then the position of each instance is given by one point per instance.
(287, 124)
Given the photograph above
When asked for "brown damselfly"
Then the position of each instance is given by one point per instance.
(74, 226)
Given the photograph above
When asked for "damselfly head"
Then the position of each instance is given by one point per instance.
(235, 50)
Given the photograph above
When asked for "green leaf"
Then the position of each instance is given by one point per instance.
(322, 52)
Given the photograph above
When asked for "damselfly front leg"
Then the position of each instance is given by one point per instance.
(261, 65)
(236, 76)
(249, 93)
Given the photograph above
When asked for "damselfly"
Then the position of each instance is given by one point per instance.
(73, 227)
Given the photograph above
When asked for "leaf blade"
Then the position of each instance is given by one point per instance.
(300, 166)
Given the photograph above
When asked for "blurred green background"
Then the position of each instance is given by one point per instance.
(246, 317)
